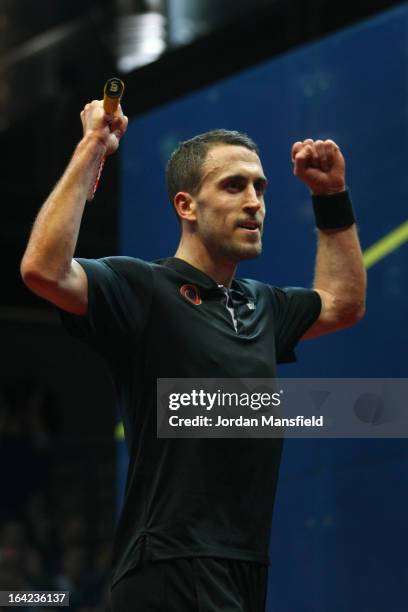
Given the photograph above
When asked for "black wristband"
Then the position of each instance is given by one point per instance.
(333, 211)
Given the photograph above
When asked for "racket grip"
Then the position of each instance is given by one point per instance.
(112, 94)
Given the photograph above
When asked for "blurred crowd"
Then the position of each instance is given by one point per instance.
(48, 540)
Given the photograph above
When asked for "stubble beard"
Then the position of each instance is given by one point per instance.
(230, 248)
(232, 251)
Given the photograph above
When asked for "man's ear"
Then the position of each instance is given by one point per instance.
(185, 206)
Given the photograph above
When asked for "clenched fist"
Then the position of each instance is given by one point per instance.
(320, 165)
(108, 128)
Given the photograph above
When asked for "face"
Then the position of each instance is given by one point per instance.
(230, 207)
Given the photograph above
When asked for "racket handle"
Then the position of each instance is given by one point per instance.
(112, 94)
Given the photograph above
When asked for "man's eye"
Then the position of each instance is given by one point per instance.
(233, 186)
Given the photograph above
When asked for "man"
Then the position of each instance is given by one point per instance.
(194, 531)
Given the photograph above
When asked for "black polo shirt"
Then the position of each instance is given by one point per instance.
(167, 319)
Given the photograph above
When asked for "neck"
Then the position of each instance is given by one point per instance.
(221, 271)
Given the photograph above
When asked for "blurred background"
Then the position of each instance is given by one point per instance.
(281, 71)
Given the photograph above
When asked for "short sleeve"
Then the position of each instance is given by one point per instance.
(119, 298)
(295, 310)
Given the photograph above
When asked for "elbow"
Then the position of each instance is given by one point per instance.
(356, 317)
(27, 272)
(360, 314)
(351, 314)
(33, 277)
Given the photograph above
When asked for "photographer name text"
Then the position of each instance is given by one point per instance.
(240, 421)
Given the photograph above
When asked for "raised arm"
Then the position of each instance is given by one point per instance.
(47, 267)
(340, 276)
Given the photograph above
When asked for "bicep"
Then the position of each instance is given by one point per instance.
(72, 293)
(328, 320)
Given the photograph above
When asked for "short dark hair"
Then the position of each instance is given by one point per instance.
(183, 171)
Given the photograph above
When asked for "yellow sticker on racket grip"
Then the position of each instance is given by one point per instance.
(112, 94)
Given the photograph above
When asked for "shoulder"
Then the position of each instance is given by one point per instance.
(252, 287)
(119, 263)
(281, 298)
(115, 267)
(273, 292)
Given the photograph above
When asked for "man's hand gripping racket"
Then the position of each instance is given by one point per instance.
(112, 125)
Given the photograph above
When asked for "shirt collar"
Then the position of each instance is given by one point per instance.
(194, 275)
(189, 272)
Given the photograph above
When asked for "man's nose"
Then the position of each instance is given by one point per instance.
(252, 200)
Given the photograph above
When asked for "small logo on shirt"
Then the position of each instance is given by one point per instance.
(251, 305)
(191, 293)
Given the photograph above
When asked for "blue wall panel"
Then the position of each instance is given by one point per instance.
(339, 520)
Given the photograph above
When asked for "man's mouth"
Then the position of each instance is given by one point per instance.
(251, 226)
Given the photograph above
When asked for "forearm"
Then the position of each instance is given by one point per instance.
(340, 276)
(55, 232)
(340, 271)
